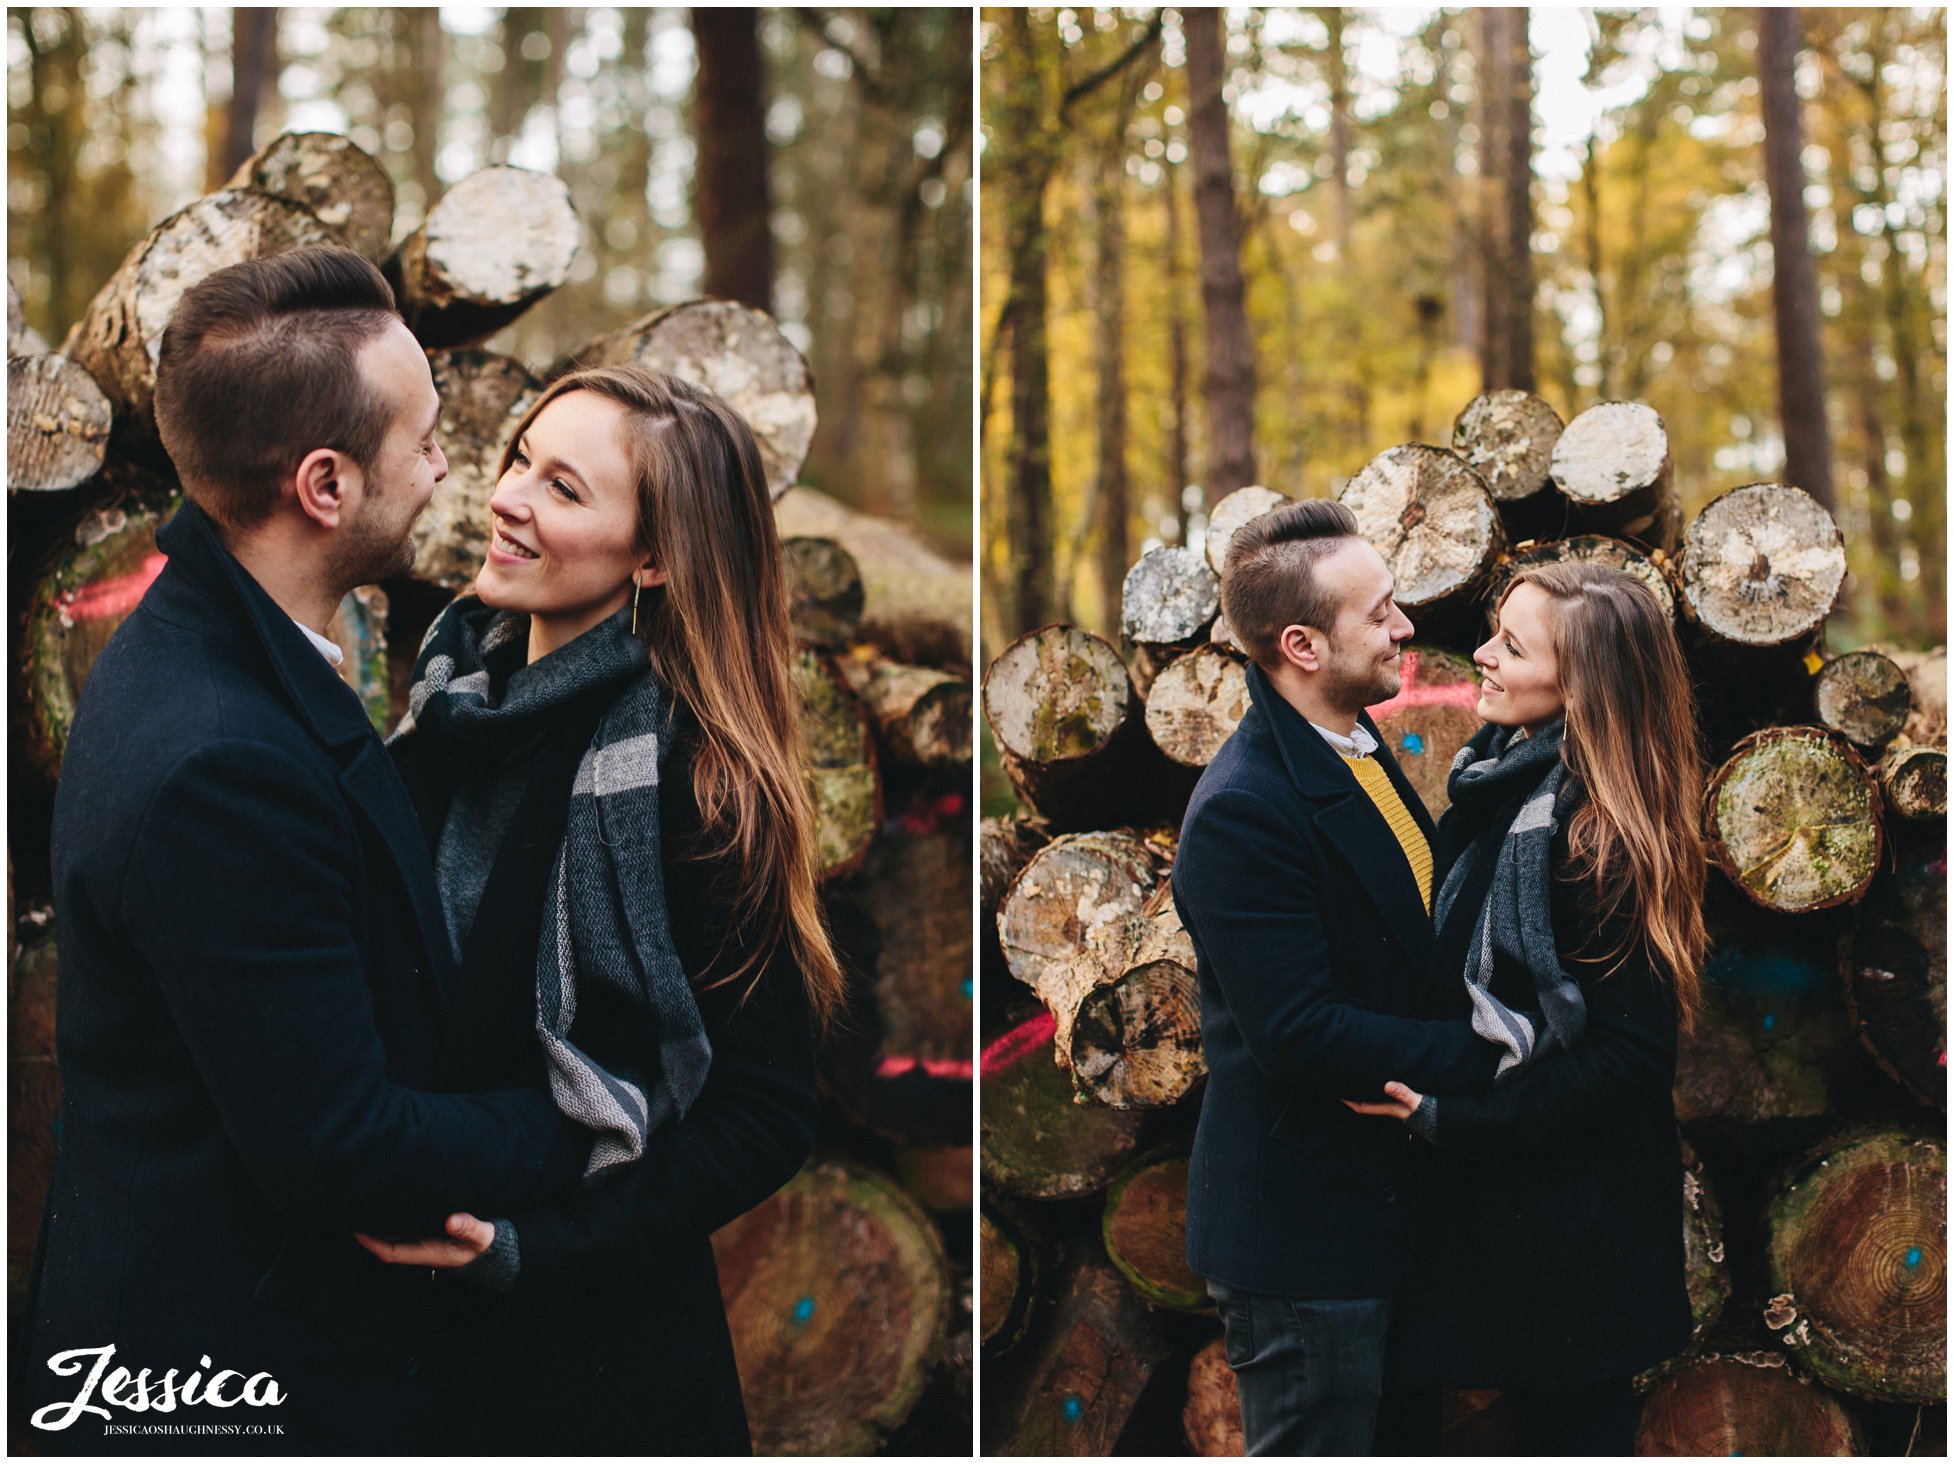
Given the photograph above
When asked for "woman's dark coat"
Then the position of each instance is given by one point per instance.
(1547, 1247)
(615, 1338)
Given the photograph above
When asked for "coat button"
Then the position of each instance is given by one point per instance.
(1390, 1194)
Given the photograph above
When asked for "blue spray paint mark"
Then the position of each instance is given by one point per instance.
(1413, 742)
(803, 1310)
(1074, 1409)
(967, 988)
(1913, 1256)
(1769, 1022)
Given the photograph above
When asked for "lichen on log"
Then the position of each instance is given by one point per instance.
(1508, 437)
(1036, 1142)
(1793, 819)
(333, 177)
(824, 591)
(839, 763)
(1068, 725)
(1170, 597)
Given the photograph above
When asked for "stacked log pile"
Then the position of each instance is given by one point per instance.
(1811, 1093)
(850, 1292)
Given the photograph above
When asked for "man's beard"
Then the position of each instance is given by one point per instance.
(1350, 685)
(370, 551)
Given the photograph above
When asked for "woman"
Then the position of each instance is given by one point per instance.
(1547, 1256)
(602, 746)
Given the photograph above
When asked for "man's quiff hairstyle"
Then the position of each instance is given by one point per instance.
(1269, 582)
(260, 367)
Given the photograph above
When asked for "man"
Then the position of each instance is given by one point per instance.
(253, 958)
(1304, 879)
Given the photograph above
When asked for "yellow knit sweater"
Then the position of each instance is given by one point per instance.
(1417, 849)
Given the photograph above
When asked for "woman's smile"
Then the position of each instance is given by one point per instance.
(505, 549)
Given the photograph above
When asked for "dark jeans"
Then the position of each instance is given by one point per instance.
(1595, 1422)
(1311, 1373)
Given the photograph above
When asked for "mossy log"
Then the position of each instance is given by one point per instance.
(1771, 1041)
(33, 1091)
(1007, 1272)
(1430, 719)
(915, 603)
(1587, 549)
(899, 1062)
(1864, 697)
(1896, 975)
(824, 591)
(495, 244)
(1507, 437)
(1037, 1143)
(334, 178)
(1432, 519)
(839, 753)
(736, 352)
(1144, 1226)
(922, 715)
(1069, 727)
(1079, 891)
(1761, 566)
(58, 424)
(1234, 510)
(1212, 1415)
(119, 336)
(1857, 1262)
(1612, 464)
(1134, 1040)
(1792, 818)
(838, 1298)
(1746, 1404)
(1097, 1358)
(1170, 598)
(483, 397)
(1914, 781)
(91, 586)
(1196, 703)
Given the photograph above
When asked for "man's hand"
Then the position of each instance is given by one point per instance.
(1403, 1104)
(466, 1239)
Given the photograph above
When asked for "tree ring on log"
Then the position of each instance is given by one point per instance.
(1762, 565)
(525, 254)
(1794, 820)
(1864, 697)
(838, 1300)
(335, 178)
(1144, 1226)
(57, 424)
(1587, 549)
(1235, 510)
(483, 397)
(1914, 780)
(1508, 437)
(1857, 1265)
(1170, 596)
(1431, 518)
(1196, 703)
(1136, 1040)
(1896, 976)
(1748, 1404)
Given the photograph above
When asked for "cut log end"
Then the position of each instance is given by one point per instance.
(1762, 566)
(1432, 519)
(1896, 976)
(824, 587)
(1508, 438)
(1430, 719)
(924, 716)
(1588, 549)
(333, 177)
(1196, 703)
(1914, 780)
(483, 397)
(1747, 1404)
(1864, 697)
(1037, 1143)
(839, 762)
(57, 424)
(1794, 820)
(1212, 1416)
(1145, 1229)
(1235, 510)
(1171, 596)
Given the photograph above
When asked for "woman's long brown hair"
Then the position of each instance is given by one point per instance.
(720, 640)
(1631, 740)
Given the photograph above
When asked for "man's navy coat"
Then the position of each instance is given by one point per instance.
(252, 973)
(1310, 939)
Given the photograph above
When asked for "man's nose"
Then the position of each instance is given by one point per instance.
(440, 463)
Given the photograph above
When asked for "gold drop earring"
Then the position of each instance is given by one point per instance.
(636, 590)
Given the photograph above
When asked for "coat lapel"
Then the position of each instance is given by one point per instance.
(1351, 824)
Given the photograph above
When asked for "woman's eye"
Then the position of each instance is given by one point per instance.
(563, 488)
(1513, 649)
(519, 456)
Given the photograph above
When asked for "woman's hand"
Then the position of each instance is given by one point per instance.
(1403, 1103)
(466, 1239)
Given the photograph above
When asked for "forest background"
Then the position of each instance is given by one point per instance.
(822, 171)
(1423, 204)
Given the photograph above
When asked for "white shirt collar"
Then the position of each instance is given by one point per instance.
(333, 654)
(1359, 744)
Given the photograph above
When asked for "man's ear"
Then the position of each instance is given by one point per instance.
(1301, 647)
(328, 481)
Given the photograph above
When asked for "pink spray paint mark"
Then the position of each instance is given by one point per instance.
(111, 598)
(1017, 1044)
(935, 1067)
(1411, 694)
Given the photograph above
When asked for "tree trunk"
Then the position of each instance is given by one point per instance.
(735, 351)
(1794, 284)
(731, 201)
(1230, 380)
(1112, 501)
(1857, 1261)
(1794, 820)
(838, 1299)
(1342, 215)
(1506, 174)
(465, 273)
(254, 71)
(1021, 179)
(1177, 449)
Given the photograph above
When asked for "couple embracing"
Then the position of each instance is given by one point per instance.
(403, 1085)
(1436, 1146)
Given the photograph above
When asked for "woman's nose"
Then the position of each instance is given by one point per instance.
(508, 500)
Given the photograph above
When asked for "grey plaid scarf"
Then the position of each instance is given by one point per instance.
(1516, 923)
(606, 925)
